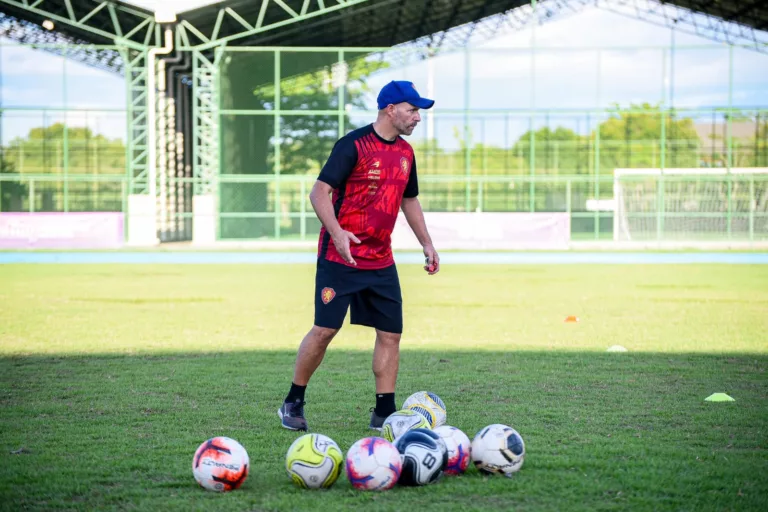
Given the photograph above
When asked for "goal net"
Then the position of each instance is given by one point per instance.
(690, 204)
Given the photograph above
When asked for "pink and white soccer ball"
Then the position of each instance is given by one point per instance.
(373, 464)
(459, 449)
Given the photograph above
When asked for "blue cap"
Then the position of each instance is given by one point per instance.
(399, 91)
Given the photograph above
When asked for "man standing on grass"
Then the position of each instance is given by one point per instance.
(372, 174)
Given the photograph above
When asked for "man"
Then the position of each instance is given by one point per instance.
(372, 175)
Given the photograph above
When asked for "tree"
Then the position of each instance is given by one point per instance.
(248, 141)
(12, 193)
(43, 151)
(555, 149)
(628, 138)
(633, 139)
(48, 150)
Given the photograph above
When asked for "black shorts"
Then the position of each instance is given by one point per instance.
(373, 296)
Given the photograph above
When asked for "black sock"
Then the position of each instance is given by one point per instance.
(296, 393)
(385, 404)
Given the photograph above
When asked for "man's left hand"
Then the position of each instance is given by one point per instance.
(433, 260)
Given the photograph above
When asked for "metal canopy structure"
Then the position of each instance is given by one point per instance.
(427, 26)
(365, 23)
(98, 22)
(378, 23)
(360, 23)
(52, 41)
(172, 68)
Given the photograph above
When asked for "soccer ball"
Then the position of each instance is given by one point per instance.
(314, 461)
(424, 457)
(400, 422)
(220, 464)
(373, 464)
(428, 405)
(498, 449)
(458, 446)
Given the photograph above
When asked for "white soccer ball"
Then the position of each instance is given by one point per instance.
(459, 448)
(373, 464)
(314, 461)
(429, 405)
(400, 422)
(220, 464)
(498, 449)
(424, 457)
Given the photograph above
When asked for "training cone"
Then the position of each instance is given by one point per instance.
(571, 318)
(719, 397)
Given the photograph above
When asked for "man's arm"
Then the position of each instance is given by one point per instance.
(415, 216)
(321, 202)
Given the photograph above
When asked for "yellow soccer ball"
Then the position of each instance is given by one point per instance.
(314, 461)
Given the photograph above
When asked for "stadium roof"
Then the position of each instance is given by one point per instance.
(428, 24)
(361, 23)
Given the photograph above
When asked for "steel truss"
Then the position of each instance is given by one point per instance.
(137, 144)
(124, 26)
(686, 20)
(26, 32)
(115, 23)
(205, 107)
(273, 14)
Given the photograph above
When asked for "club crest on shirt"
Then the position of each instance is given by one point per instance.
(404, 165)
(327, 294)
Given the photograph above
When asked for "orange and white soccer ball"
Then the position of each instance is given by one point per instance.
(220, 464)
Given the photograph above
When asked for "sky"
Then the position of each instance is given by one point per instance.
(585, 60)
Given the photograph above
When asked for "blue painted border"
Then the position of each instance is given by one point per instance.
(448, 258)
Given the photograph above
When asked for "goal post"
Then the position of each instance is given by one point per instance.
(688, 205)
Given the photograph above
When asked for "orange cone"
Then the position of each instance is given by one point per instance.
(571, 318)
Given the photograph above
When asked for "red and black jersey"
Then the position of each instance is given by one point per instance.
(370, 176)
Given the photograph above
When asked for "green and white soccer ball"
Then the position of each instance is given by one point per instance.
(314, 461)
(429, 405)
(400, 422)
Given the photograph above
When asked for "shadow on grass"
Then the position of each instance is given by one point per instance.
(602, 430)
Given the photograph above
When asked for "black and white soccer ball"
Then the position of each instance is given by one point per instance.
(498, 449)
(424, 457)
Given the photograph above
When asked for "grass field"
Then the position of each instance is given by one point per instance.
(112, 375)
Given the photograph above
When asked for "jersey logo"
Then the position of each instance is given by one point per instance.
(404, 165)
(327, 294)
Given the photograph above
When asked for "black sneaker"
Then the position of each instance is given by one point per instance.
(292, 415)
(377, 422)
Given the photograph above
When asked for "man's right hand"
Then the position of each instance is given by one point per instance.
(342, 242)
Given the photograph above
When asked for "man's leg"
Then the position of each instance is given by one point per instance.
(381, 307)
(310, 355)
(332, 299)
(386, 361)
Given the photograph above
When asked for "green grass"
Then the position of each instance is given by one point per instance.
(112, 375)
